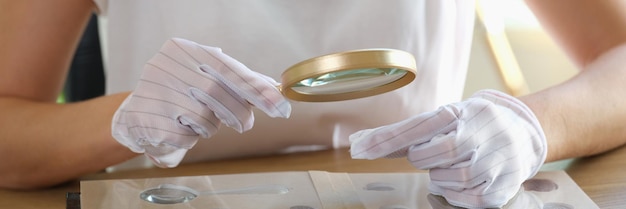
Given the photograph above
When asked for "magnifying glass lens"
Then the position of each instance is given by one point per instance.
(348, 81)
(348, 75)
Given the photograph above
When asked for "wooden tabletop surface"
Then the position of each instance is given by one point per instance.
(602, 177)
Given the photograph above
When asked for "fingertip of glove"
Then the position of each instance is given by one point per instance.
(359, 146)
(367, 154)
(240, 128)
(168, 160)
(282, 109)
(359, 152)
(356, 137)
(285, 109)
(356, 154)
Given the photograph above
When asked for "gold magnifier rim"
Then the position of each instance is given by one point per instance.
(344, 61)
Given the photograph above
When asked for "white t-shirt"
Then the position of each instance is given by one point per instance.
(268, 36)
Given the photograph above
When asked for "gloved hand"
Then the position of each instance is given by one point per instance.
(478, 151)
(185, 92)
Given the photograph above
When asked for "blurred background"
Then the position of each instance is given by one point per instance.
(510, 45)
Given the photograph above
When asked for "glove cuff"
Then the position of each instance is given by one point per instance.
(517, 106)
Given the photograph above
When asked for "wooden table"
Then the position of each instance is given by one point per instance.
(602, 177)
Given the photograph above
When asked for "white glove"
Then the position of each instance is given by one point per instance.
(479, 151)
(185, 92)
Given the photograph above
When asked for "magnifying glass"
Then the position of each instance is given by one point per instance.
(348, 75)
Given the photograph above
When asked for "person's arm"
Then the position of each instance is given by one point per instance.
(585, 115)
(43, 143)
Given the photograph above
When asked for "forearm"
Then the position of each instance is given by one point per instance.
(43, 144)
(585, 115)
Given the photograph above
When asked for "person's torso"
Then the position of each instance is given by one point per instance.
(270, 36)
